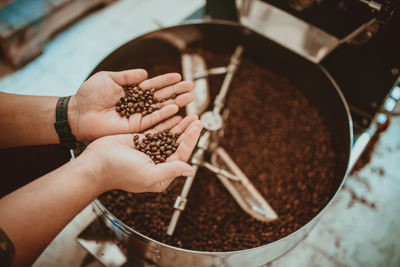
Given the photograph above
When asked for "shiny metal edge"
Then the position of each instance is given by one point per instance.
(125, 228)
(350, 120)
(287, 30)
(295, 236)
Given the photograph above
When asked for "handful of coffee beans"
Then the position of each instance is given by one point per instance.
(136, 100)
(158, 146)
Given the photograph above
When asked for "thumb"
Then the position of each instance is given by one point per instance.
(170, 170)
(128, 77)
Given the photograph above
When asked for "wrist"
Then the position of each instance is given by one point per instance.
(90, 167)
(73, 117)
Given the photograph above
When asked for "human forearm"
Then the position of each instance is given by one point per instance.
(33, 215)
(27, 120)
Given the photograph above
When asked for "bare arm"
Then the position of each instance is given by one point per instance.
(34, 214)
(29, 120)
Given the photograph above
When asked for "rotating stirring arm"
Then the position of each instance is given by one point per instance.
(236, 182)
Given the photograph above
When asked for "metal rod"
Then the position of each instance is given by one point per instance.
(212, 71)
(181, 200)
(222, 172)
(232, 67)
(204, 140)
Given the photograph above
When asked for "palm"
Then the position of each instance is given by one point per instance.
(120, 158)
(97, 97)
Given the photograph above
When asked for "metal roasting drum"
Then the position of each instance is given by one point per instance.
(172, 42)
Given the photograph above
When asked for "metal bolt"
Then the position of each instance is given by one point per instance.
(394, 71)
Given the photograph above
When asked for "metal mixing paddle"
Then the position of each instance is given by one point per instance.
(236, 182)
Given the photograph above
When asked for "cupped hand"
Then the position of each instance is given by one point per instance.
(92, 114)
(119, 165)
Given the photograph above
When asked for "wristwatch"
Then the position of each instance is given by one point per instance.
(62, 127)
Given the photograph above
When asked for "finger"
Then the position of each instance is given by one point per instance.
(176, 124)
(168, 124)
(181, 100)
(128, 77)
(188, 143)
(197, 123)
(173, 90)
(180, 128)
(161, 81)
(158, 116)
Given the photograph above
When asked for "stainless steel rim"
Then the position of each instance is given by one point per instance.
(128, 230)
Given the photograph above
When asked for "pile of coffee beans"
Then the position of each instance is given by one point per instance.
(136, 100)
(279, 140)
(158, 146)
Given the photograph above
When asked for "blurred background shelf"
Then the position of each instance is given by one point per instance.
(26, 25)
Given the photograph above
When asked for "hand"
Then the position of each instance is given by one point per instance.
(120, 166)
(92, 114)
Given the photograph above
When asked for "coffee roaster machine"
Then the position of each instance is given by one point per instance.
(355, 41)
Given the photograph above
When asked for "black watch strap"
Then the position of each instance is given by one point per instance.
(61, 124)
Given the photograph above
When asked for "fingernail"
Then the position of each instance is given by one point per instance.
(187, 173)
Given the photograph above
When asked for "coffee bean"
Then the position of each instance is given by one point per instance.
(136, 100)
(154, 146)
(212, 220)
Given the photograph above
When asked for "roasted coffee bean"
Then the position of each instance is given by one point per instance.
(264, 131)
(154, 146)
(136, 100)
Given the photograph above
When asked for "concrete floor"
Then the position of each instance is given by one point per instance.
(362, 226)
